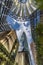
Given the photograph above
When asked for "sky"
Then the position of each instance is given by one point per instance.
(20, 28)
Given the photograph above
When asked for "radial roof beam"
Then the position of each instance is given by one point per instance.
(25, 7)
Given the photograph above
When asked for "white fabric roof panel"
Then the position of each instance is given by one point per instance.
(23, 8)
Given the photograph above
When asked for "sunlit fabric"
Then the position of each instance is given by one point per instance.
(8, 46)
(8, 40)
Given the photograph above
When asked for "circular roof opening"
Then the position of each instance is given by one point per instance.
(22, 1)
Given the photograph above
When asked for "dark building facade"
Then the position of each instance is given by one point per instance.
(5, 6)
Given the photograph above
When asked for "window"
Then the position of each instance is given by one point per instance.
(38, 16)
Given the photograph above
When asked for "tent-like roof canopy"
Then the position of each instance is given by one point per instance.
(23, 8)
(9, 40)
